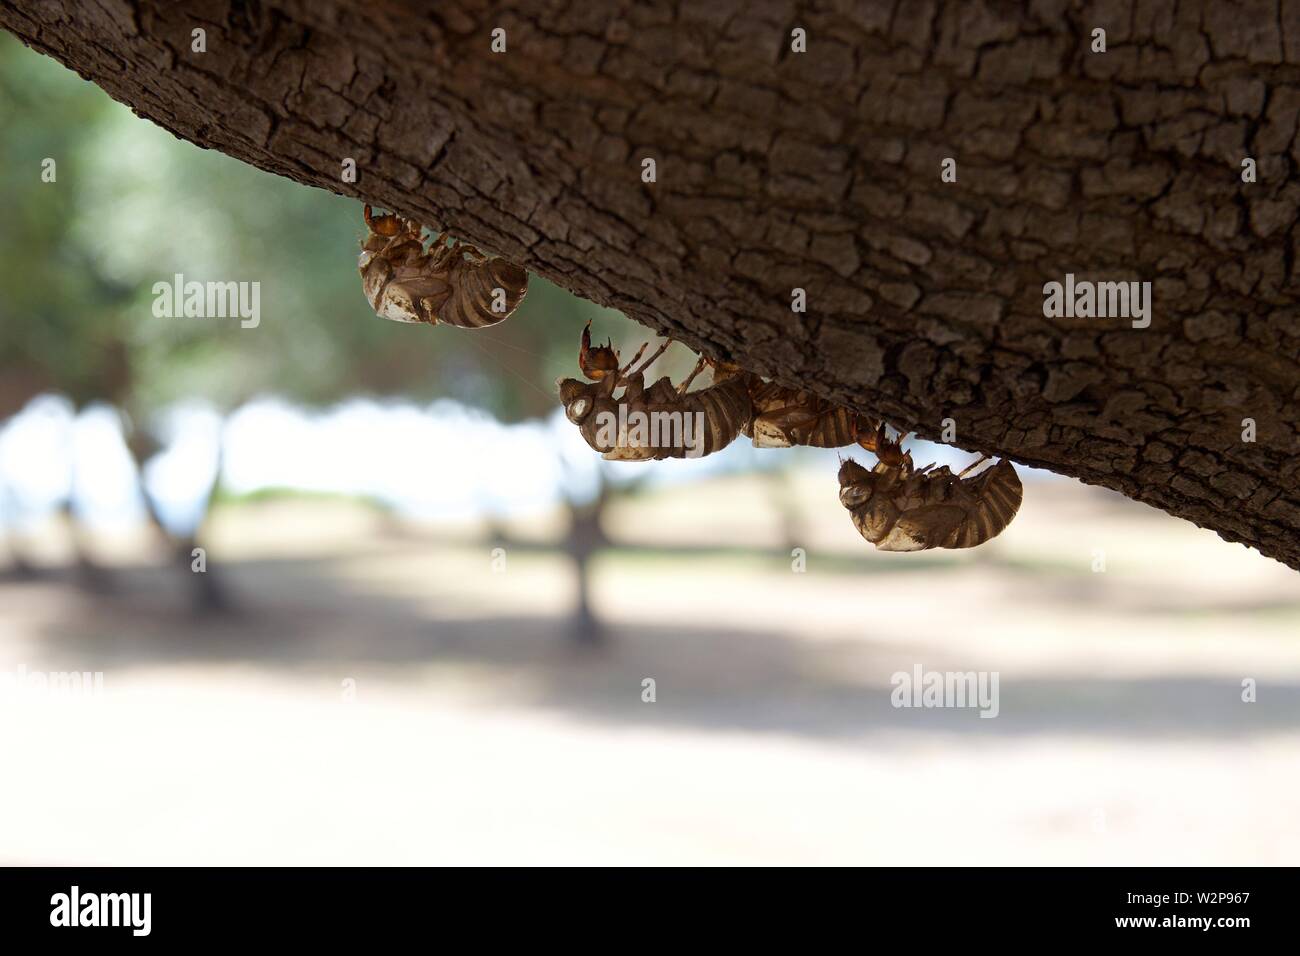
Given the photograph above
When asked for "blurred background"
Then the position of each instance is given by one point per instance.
(434, 628)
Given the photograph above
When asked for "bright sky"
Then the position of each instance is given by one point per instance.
(433, 461)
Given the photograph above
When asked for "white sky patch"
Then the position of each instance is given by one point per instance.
(105, 484)
(36, 459)
(180, 477)
(436, 461)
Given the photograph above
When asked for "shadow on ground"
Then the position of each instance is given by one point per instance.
(301, 619)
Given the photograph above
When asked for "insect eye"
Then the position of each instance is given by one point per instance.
(855, 494)
(578, 409)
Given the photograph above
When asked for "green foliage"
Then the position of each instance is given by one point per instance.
(46, 283)
(133, 205)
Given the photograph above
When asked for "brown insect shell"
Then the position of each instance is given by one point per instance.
(583, 404)
(473, 283)
(898, 509)
(724, 406)
(784, 416)
(726, 409)
(451, 285)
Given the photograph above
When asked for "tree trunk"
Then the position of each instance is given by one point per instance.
(208, 592)
(585, 538)
(20, 569)
(821, 171)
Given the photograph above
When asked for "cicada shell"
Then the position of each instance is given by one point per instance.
(445, 284)
(624, 420)
(899, 508)
(783, 417)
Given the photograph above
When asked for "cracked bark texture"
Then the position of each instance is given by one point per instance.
(821, 171)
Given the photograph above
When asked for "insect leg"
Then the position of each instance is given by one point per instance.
(622, 373)
(699, 367)
(973, 465)
(650, 361)
(434, 253)
(889, 451)
(472, 252)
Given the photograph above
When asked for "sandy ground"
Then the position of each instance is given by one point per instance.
(384, 696)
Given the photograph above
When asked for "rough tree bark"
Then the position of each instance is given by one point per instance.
(821, 170)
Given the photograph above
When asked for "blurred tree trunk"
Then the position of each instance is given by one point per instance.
(586, 537)
(780, 487)
(208, 593)
(20, 567)
(779, 170)
(90, 574)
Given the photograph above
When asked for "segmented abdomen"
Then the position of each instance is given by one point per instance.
(786, 416)
(726, 409)
(473, 293)
(998, 493)
(836, 428)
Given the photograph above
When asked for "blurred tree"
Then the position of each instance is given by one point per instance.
(131, 205)
(59, 315)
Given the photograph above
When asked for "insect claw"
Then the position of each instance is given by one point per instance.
(388, 225)
(598, 362)
(889, 450)
(584, 350)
